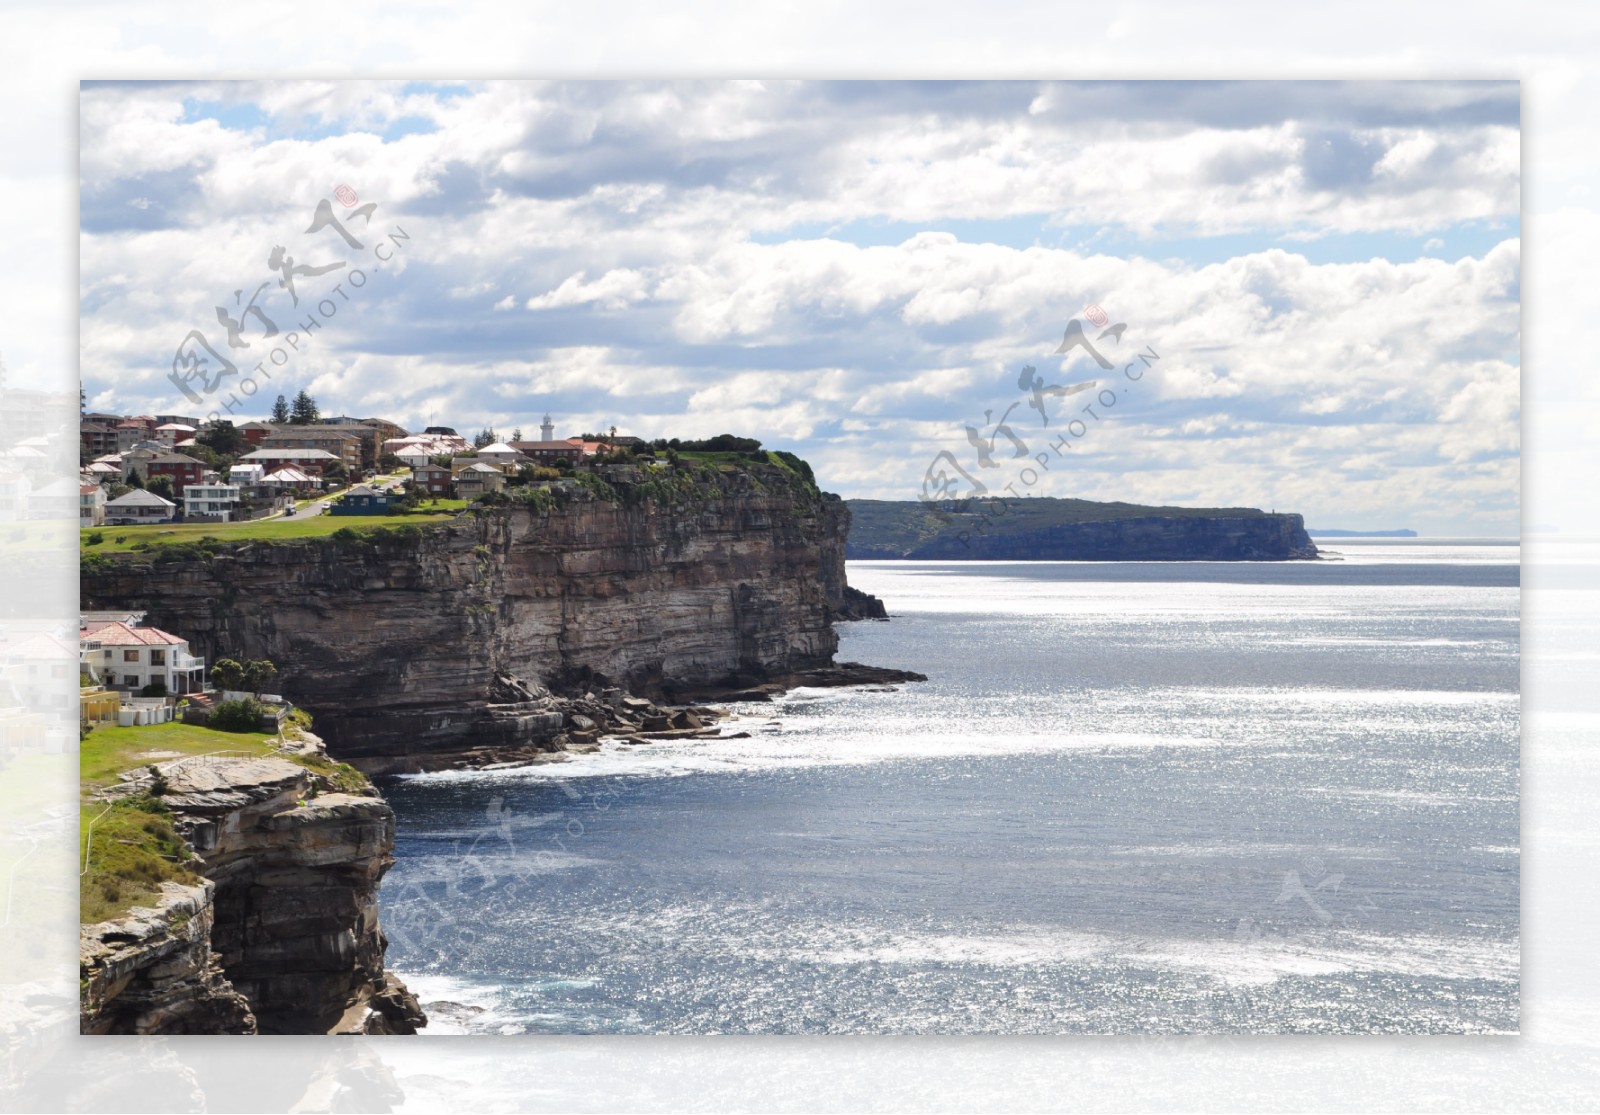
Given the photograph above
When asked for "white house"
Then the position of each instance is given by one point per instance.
(170, 433)
(139, 506)
(210, 501)
(242, 473)
(128, 658)
(500, 455)
(91, 505)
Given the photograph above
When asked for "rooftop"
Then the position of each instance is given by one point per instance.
(288, 455)
(139, 498)
(115, 633)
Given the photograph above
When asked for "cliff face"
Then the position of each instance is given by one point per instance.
(282, 935)
(446, 639)
(155, 972)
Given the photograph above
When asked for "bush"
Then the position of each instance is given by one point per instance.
(238, 716)
(120, 539)
(157, 688)
(94, 538)
(722, 443)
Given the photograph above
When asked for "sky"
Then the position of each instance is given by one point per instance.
(1323, 277)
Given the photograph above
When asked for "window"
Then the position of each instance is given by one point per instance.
(158, 658)
(130, 680)
(130, 655)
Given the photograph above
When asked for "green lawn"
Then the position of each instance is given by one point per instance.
(109, 751)
(315, 526)
(130, 847)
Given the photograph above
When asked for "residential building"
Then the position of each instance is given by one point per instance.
(257, 432)
(91, 505)
(131, 431)
(246, 472)
(290, 479)
(57, 499)
(477, 478)
(148, 464)
(306, 459)
(39, 671)
(432, 480)
(258, 500)
(363, 499)
(500, 455)
(343, 446)
(139, 506)
(373, 432)
(180, 419)
(127, 658)
(99, 432)
(210, 501)
(170, 433)
(549, 452)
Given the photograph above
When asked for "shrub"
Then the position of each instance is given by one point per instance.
(157, 688)
(227, 673)
(258, 674)
(94, 538)
(120, 539)
(238, 716)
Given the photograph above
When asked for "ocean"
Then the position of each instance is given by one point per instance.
(1131, 799)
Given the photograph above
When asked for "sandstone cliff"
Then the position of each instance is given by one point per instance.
(280, 936)
(433, 640)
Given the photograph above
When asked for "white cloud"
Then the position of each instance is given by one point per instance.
(639, 217)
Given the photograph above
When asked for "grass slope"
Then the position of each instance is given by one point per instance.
(132, 848)
(123, 539)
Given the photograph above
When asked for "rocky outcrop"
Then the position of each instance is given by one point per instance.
(155, 971)
(439, 639)
(282, 936)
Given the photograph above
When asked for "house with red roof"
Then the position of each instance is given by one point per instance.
(126, 658)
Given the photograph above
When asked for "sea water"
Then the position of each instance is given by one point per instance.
(1131, 798)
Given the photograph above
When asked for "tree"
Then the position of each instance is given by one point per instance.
(303, 412)
(516, 434)
(280, 411)
(162, 486)
(135, 480)
(258, 675)
(226, 673)
(223, 438)
(485, 436)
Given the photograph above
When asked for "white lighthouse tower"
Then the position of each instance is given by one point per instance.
(547, 431)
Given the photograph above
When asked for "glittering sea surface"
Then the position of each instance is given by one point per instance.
(1132, 798)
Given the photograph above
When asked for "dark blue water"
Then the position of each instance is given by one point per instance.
(1163, 798)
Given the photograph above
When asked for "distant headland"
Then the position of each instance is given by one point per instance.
(1070, 530)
